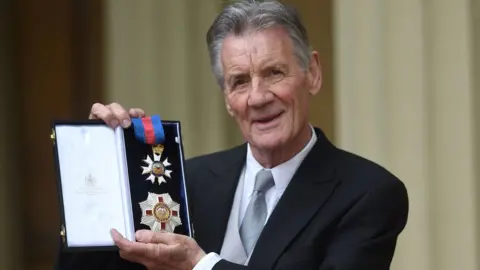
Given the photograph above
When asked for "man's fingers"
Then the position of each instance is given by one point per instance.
(146, 236)
(142, 253)
(120, 114)
(119, 240)
(102, 112)
(137, 112)
(122, 243)
(114, 114)
(99, 111)
(135, 249)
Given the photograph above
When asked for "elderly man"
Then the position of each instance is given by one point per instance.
(287, 198)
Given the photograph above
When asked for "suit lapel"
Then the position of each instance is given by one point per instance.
(308, 190)
(218, 198)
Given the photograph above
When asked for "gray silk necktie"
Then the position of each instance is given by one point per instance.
(256, 213)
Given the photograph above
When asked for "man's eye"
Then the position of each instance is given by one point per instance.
(239, 82)
(276, 72)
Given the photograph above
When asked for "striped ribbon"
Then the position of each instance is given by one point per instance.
(149, 129)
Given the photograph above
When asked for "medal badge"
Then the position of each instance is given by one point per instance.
(160, 212)
(149, 130)
(156, 168)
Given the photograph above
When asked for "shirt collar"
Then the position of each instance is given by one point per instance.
(283, 173)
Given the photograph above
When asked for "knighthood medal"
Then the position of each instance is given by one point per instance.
(160, 212)
(150, 131)
(156, 169)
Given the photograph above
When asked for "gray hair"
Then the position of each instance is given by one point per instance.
(242, 16)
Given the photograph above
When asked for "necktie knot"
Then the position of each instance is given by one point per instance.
(263, 181)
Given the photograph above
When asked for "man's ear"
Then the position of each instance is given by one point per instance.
(229, 109)
(315, 74)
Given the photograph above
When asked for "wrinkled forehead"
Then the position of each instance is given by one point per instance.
(255, 47)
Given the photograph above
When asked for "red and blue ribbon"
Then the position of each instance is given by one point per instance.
(149, 129)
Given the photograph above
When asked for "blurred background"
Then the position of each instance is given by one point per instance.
(401, 87)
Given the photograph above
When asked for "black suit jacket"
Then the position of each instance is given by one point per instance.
(339, 212)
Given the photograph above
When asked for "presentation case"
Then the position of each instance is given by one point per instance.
(126, 179)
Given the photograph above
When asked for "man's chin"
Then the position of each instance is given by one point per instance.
(267, 141)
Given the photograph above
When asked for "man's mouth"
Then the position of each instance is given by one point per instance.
(267, 119)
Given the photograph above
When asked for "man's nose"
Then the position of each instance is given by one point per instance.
(260, 94)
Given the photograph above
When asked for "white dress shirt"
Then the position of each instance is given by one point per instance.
(282, 174)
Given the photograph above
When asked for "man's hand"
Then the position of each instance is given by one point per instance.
(114, 114)
(158, 251)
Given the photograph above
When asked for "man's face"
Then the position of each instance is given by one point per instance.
(266, 90)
